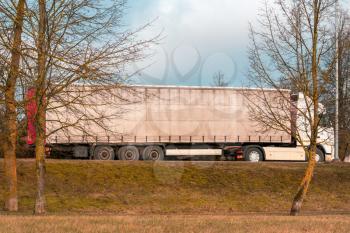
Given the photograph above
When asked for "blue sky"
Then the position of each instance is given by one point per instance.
(201, 37)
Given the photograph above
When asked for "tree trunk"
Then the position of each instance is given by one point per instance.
(10, 125)
(40, 119)
(40, 167)
(11, 202)
(314, 122)
(304, 186)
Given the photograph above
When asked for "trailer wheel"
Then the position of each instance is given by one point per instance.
(128, 153)
(104, 153)
(253, 154)
(154, 153)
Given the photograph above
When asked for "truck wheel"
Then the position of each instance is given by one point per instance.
(104, 153)
(153, 153)
(128, 153)
(253, 154)
(319, 156)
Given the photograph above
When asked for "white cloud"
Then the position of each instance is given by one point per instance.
(206, 22)
(209, 26)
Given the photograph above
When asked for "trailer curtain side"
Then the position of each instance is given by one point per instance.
(145, 114)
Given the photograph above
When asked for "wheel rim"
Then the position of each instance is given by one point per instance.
(154, 155)
(317, 158)
(104, 155)
(129, 155)
(254, 156)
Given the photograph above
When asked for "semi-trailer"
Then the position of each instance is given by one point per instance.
(160, 122)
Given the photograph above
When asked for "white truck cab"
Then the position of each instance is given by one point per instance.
(325, 139)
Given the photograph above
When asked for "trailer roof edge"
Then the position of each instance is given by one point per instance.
(207, 87)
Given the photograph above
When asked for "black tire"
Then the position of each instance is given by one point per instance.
(320, 157)
(253, 154)
(128, 153)
(154, 153)
(104, 153)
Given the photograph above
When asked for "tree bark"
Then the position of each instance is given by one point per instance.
(10, 125)
(40, 119)
(40, 170)
(304, 186)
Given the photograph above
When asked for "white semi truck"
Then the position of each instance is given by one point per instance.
(159, 122)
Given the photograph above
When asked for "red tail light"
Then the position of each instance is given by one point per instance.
(31, 110)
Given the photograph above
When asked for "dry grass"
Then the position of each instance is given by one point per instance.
(142, 188)
(188, 224)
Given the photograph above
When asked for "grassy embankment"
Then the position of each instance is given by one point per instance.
(88, 187)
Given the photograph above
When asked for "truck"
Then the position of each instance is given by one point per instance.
(173, 122)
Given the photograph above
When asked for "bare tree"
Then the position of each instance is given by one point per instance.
(328, 99)
(11, 13)
(344, 86)
(40, 100)
(2, 101)
(219, 80)
(74, 50)
(291, 50)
